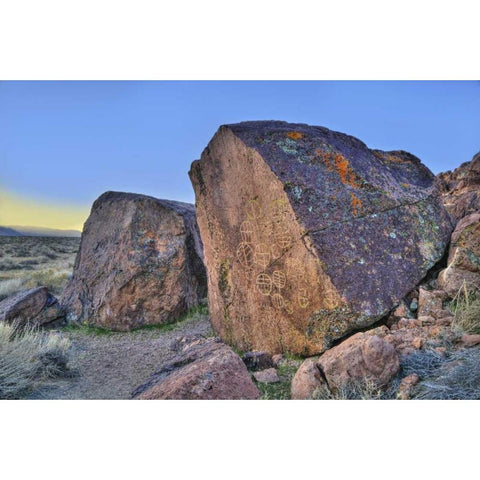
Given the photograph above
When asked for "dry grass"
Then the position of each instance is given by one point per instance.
(466, 308)
(28, 355)
(27, 262)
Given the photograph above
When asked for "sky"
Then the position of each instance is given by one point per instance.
(62, 144)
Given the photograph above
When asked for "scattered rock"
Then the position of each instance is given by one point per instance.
(258, 360)
(310, 235)
(307, 380)
(470, 340)
(205, 368)
(139, 263)
(360, 358)
(406, 386)
(277, 359)
(268, 375)
(417, 343)
(33, 307)
(430, 301)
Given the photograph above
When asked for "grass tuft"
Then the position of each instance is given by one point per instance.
(27, 355)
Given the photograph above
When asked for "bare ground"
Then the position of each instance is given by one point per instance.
(111, 366)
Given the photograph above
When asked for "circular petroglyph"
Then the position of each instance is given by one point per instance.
(278, 301)
(262, 255)
(246, 231)
(245, 254)
(254, 210)
(279, 279)
(264, 284)
(288, 306)
(303, 300)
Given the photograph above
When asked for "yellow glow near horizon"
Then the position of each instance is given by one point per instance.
(16, 210)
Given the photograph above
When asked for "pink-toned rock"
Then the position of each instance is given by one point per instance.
(426, 320)
(307, 380)
(139, 263)
(463, 270)
(269, 375)
(470, 340)
(276, 359)
(445, 321)
(406, 386)
(430, 301)
(33, 307)
(203, 369)
(360, 358)
(417, 342)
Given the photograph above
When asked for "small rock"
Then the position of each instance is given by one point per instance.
(414, 305)
(276, 359)
(258, 360)
(406, 386)
(426, 320)
(429, 301)
(417, 343)
(470, 340)
(441, 350)
(268, 375)
(445, 321)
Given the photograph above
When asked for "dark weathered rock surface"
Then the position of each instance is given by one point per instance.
(33, 307)
(204, 369)
(461, 189)
(308, 234)
(257, 360)
(139, 263)
(463, 270)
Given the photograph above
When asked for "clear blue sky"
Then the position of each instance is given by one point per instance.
(67, 142)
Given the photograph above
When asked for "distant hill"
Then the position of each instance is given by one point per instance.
(9, 232)
(17, 230)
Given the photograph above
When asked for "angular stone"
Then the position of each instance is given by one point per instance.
(463, 270)
(33, 307)
(203, 369)
(430, 301)
(257, 360)
(461, 189)
(362, 358)
(269, 375)
(309, 235)
(139, 263)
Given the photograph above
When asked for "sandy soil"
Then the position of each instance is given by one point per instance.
(111, 366)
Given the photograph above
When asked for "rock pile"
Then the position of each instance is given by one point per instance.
(33, 307)
(139, 263)
(310, 235)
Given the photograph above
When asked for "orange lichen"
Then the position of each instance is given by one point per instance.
(394, 158)
(295, 135)
(405, 185)
(337, 162)
(355, 203)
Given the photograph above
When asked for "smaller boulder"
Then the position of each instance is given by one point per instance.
(362, 358)
(406, 386)
(33, 307)
(268, 375)
(470, 340)
(307, 380)
(258, 360)
(203, 369)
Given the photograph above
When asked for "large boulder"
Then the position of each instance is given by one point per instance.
(203, 369)
(463, 270)
(308, 234)
(34, 307)
(139, 263)
(461, 189)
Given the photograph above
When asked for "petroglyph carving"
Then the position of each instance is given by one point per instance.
(278, 301)
(279, 279)
(264, 284)
(245, 254)
(262, 255)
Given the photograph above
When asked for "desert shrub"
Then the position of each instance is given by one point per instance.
(27, 355)
(9, 287)
(422, 362)
(358, 390)
(467, 317)
(457, 379)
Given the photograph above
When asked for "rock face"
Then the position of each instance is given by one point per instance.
(360, 358)
(461, 189)
(308, 234)
(204, 369)
(463, 268)
(139, 263)
(34, 307)
(307, 380)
